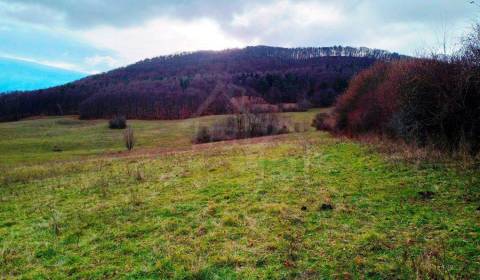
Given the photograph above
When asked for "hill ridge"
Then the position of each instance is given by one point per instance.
(174, 86)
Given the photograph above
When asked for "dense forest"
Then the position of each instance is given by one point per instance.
(201, 83)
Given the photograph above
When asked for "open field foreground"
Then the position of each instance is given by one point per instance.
(297, 206)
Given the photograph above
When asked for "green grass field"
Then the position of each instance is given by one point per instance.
(249, 209)
(35, 141)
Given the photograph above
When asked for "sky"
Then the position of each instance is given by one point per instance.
(93, 36)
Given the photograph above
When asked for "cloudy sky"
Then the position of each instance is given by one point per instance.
(97, 35)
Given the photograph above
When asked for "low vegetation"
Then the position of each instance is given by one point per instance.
(241, 126)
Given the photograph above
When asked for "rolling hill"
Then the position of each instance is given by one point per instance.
(201, 83)
(20, 75)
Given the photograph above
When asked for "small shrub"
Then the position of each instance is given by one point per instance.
(118, 122)
(326, 207)
(129, 138)
(57, 149)
(55, 223)
(297, 127)
(320, 121)
(103, 186)
(283, 130)
(230, 221)
(135, 198)
(203, 135)
(140, 174)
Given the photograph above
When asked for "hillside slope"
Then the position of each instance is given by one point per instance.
(18, 75)
(201, 83)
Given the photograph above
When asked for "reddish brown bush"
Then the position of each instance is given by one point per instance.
(321, 122)
(425, 101)
(368, 102)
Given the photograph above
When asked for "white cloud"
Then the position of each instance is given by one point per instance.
(294, 13)
(285, 23)
(160, 36)
(33, 14)
(394, 25)
(51, 63)
(123, 32)
(101, 60)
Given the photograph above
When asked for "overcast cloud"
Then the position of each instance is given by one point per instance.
(97, 35)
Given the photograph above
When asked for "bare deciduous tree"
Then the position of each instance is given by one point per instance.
(129, 138)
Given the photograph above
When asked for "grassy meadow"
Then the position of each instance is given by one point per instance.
(74, 204)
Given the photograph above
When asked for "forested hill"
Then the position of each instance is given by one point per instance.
(204, 82)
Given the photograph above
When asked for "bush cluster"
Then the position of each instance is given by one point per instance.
(241, 126)
(320, 122)
(118, 122)
(423, 101)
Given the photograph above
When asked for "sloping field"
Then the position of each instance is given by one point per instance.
(65, 138)
(304, 205)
